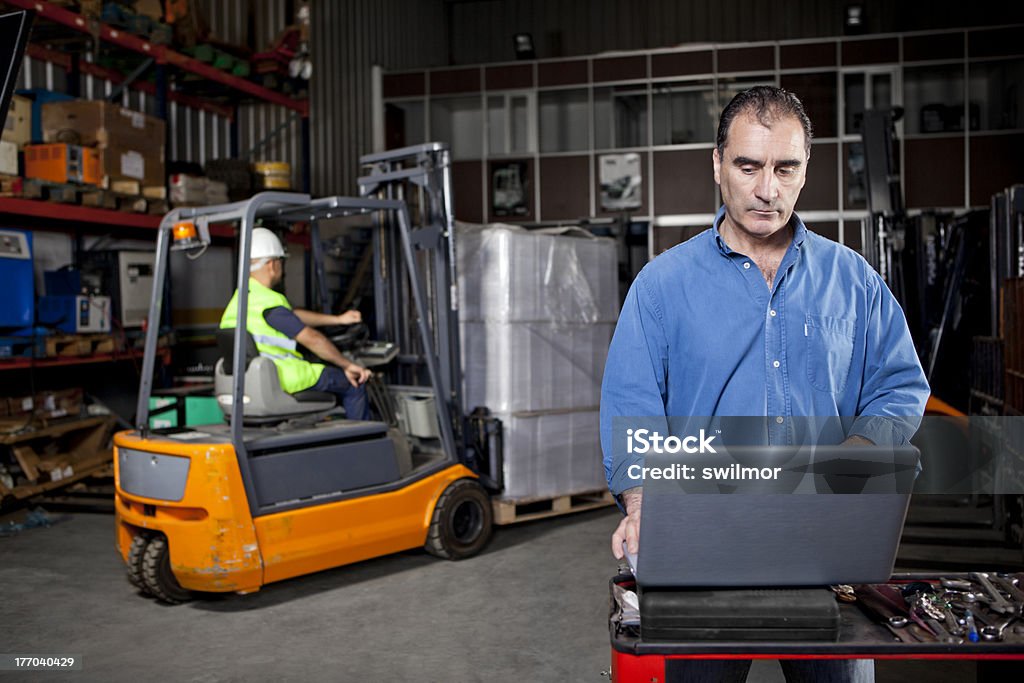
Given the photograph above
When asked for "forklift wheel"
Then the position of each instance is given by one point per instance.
(135, 553)
(462, 519)
(157, 574)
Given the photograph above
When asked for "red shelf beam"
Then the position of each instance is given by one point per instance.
(69, 215)
(21, 363)
(160, 53)
(63, 60)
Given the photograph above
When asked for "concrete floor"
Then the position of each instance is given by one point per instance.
(532, 607)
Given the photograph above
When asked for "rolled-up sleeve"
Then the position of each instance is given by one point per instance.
(635, 378)
(894, 389)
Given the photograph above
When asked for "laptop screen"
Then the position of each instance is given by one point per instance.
(753, 516)
(14, 28)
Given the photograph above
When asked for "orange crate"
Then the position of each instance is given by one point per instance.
(63, 164)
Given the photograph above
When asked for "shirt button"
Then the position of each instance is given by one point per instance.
(772, 313)
(775, 364)
(778, 420)
(746, 265)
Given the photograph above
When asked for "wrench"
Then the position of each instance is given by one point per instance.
(943, 635)
(957, 585)
(922, 634)
(968, 597)
(993, 633)
(952, 625)
(1015, 593)
(999, 603)
(902, 634)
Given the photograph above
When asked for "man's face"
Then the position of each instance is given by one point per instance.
(762, 174)
(276, 272)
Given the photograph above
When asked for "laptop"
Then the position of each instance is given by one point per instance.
(830, 515)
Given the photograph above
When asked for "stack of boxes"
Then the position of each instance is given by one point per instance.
(129, 145)
(537, 312)
(190, 190)
(16, 134)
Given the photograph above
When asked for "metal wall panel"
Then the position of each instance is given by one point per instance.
(482, 30)
(254, 23)
(229, 19)
(579, 27)
(197, 136)
(36, 73)
(348, 38)
(257, 122)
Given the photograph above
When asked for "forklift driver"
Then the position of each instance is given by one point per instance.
(276, 327)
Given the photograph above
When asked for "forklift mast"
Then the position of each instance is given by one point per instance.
(416, 297)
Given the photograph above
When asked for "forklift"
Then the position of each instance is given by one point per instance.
(287, 486)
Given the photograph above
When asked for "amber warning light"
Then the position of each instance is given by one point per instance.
(188, 235)
(184, 231)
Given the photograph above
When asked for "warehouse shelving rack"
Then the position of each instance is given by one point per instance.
(161, 54)
(58, 25)
(235, 90)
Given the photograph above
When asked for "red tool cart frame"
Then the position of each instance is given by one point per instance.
(632, 659)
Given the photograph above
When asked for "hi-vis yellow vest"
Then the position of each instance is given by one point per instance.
(293, 371)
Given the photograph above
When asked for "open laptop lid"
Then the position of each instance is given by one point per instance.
(833, 514)
(14, 28)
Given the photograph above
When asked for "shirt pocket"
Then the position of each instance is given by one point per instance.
(829, 351)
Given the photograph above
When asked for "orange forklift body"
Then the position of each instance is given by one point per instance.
(217, 546)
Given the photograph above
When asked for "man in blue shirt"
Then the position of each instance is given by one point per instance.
(758, 316)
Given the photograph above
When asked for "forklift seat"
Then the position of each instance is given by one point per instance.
(264, 399)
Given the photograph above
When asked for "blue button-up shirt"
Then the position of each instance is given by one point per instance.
(701, 334)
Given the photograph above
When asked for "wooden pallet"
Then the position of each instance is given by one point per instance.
(116, 201)
(79, 345)
(10, 186)
(33, 188)
(124, 196)
(53, 456)
(524, 509)
(93, 493)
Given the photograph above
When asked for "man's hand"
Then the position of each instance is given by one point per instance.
(857, 441)
(350, 318)
(316, 342)
(629, 527)
(357, 374)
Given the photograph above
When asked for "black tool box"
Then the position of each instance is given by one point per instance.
(739, 615)
(639, 653)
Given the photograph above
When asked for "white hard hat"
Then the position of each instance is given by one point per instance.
(265, 245)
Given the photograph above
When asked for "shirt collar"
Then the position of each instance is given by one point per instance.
(799, 231)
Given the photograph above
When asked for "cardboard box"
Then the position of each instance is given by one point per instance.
(130, 143)
(18, 126)
(149, 8)
(8, 158)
